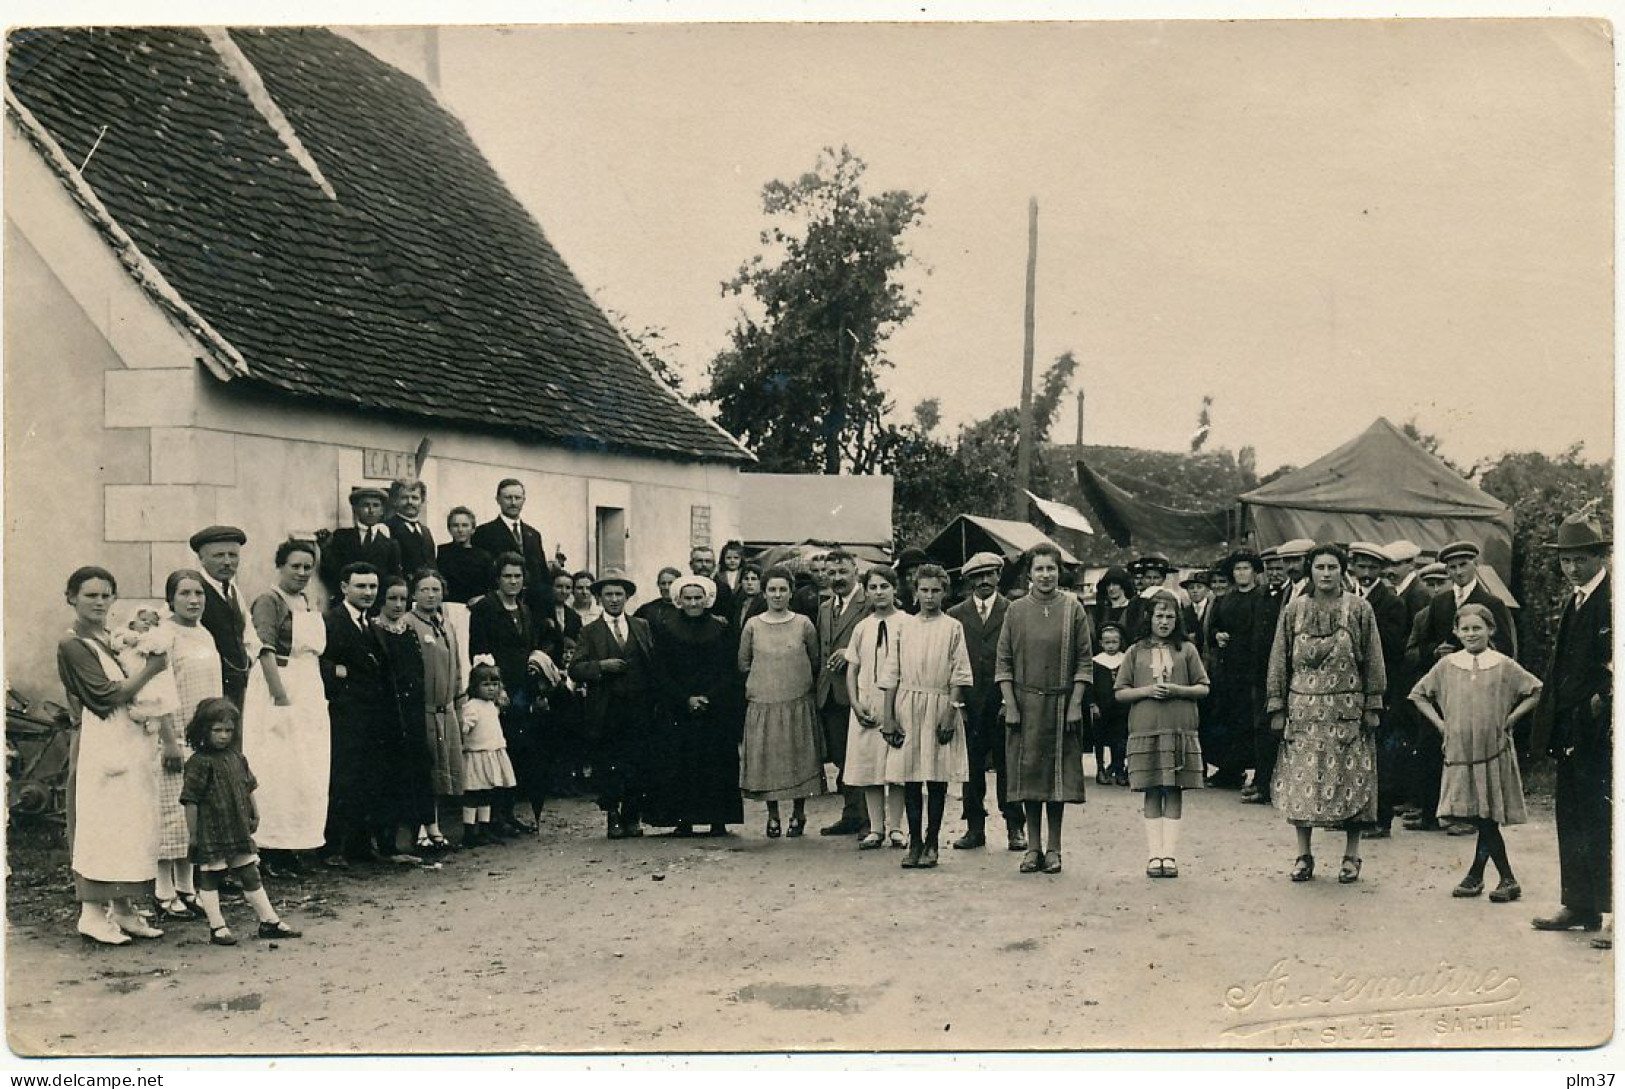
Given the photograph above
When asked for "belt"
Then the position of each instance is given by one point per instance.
(1505, 744)
(924, 690)
(441, 710)
(1040, 690)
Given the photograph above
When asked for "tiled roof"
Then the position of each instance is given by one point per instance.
(424, 288)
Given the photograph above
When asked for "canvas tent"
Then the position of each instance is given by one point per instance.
(1131, 522)
(1382, 486)
(789, 508)
(969, 534)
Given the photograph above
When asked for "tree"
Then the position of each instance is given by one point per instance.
(798, 383)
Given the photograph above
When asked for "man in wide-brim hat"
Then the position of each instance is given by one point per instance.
(1576, 719)
(614, 577)
(1241, 628)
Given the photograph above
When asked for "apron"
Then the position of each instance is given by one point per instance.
(115, 835)
(288, 747)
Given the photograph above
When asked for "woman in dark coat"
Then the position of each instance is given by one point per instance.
(406, 767)
(503, 631)
(695, 750)
(1114, 593)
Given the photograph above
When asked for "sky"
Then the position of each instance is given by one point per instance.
(1316, 222)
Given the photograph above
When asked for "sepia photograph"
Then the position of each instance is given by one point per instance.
(765, 537)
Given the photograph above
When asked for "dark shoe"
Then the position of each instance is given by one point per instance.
(1349, 872)
(336, 862)
(1568, 920)
(1103, 777)
(221, 935)
(718, 830)
(798, 828)
(1304, 868)
(1603, 941)
(683, 831)
(1456, 828)
(174, 911)
(1032, 862)
(613, 824)
(1422, 824)
(1470, 886)
(1506, 892)
(524, 826)
(911, 861)
(1121, 778)
(1379, 832)
(971, 840)
(846, 826)
(631, 829)
(1153, 867)
(472, 836)
(1052, 862)
(928, 857)
(1255, 799)
(774, 829)
(279, 929)
(1018, 839)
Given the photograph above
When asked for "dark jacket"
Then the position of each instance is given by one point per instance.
(344, 547)
(1394, 628)
(353, 671)
(417, 548)
(1579, 670)
(551, 636)
(834, 633)
(508, 639)
(495, 538)
(226, 625)
(616, 702)
(467, 571)
(1439, 627)
(1249, 620)
(982, 645)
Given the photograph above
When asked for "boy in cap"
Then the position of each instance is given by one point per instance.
(368, 541)
(1578, 698)
(982, 614)
(218, 550)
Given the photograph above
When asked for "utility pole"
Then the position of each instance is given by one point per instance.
(1080, 422)
(1024, 450)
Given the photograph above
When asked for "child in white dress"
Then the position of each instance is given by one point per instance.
(870, 653)
(486, 769)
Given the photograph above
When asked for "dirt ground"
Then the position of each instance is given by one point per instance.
(573, 943)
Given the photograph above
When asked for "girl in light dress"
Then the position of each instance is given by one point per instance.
(1475, 697)
(486, 770)
(780, 754)
(927, 680)
(1162, 678)
(871, 654)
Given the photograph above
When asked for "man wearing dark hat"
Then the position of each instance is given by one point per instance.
(218, 550)
(368, 541)
(1240, 633)
(615, 660)
(838, 615)
(907, 562)
(1438, 638)
(982, 615)
(1576, 728)
(1367, 562)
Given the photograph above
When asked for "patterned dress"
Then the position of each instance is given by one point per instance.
(195, 665)
(1164, 747)
(219, 783)
(931, 661)
(1043, 651)
(781, 757)
(1474, 694)
(1326, 672)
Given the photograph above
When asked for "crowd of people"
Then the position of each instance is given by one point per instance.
(475, 678)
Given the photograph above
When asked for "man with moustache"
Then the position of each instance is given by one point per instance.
(982, 615)
(414, 539)
(838, 615)
(1367, 562)
(219, 552)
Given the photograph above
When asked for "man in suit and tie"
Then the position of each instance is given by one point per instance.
(1577, 729)
(838, 614)
(218, 550)
(1438, 639)
(507, 532)
(1368, 561)
(982, 615)
(369, 541)
(358, 704)
(615, 660)
(416, 542)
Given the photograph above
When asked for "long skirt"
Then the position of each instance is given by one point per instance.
(1043, 762)
(115, 841)
(1323, 782)
(781, 754)
(693, 775)
(288, 749)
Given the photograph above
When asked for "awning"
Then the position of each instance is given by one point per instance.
(1061, 514)
(969, 534)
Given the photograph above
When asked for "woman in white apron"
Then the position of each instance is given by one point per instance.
(286, 734)
(115, 830)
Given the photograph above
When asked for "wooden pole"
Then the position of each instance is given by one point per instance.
(1024, 451)
(1080, 422)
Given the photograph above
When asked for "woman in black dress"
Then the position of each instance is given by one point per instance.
(563, 733)
(467, 569)
(1114, 593)
(503, 631)
(406, 771)
(695, 750)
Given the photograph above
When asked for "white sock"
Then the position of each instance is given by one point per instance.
(1153, 837)
(183, 876)
(210, 901)
(164, 883)
(261, 903)
(1170, 836)
(896, 819)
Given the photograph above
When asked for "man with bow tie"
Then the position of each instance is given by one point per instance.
(508, 532)
(225, 617)
(1576, 728)
(406, 498)
(369, 541)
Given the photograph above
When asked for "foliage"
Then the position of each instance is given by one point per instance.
(1542, 491)
(654, 348)
(798, 383)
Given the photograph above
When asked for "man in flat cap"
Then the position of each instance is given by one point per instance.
(1402, 572)
(982, 614)
(1292, 554)
(1438, 639)
(368, 541)
(1576, 728)
(1368, 561)
(218, 550)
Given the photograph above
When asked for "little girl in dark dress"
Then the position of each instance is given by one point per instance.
(1111, 731)
(217, 794)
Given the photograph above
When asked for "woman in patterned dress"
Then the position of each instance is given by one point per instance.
(287, 735)
(1325, 694)
(195, 664)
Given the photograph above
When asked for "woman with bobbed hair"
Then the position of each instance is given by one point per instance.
(1325, 696)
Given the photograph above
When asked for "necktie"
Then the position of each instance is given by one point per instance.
(615, 626)
(231, 600)
(1579, 599)
(984, 608)
(366, 537)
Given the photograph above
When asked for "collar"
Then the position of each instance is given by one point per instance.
(1405, 583)
(356, 616)
(1596, 580)
(1462, 593)
(212, 581)
(1110, 661)
(513, 524)
(1488, 658)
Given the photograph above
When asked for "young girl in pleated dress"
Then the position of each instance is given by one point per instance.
(927, 684)
(486, 769)
(871, 653)
(1475, 697)
(1161, 679)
